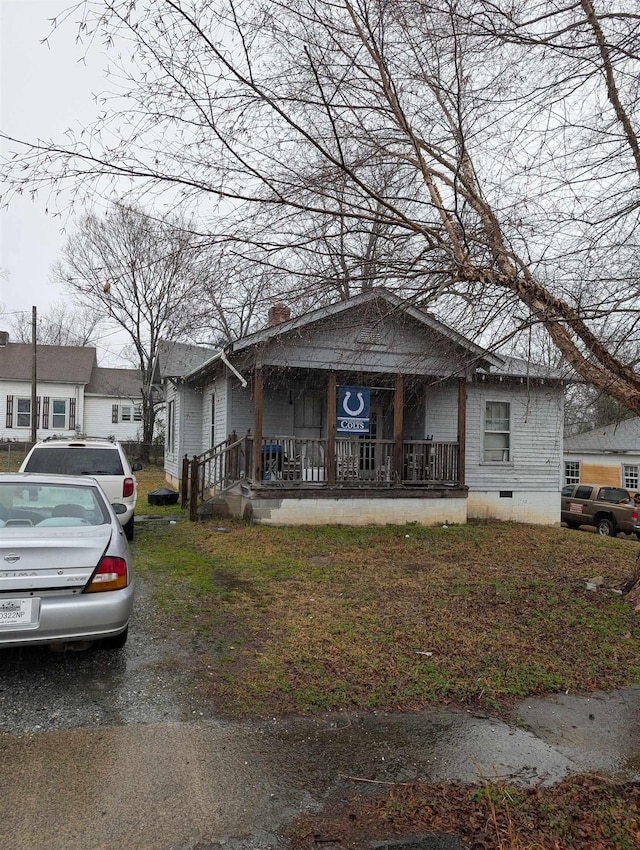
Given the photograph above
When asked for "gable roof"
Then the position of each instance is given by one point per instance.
(516, 367)
(392, 304)
(115, 383)
(618, 437)
(179, 358)
(65, 364)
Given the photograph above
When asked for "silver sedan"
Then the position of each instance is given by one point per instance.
(65, 565)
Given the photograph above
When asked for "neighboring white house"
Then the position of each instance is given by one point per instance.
(113, 401)
(607, 455)
(447, 430)
(73, 394)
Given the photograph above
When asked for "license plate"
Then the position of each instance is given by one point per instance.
(17, 612)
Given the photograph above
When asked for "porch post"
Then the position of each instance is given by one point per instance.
(462, 429)
(184, 482)
(332, 412)
(398, 422)
(258, 395)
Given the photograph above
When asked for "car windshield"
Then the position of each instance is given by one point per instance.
(76, 460)
(50, 505)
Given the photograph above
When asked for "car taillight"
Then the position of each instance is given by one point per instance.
(112, 574)
(127, 487)
(634, 516)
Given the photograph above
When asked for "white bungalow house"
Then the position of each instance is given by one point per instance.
(607, 455)
(367, 411)
(73, 394)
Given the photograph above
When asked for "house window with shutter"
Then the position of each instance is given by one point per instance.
(23, 417)
(9, 421)
(114, 414)
(59, 418)
(72, 413)
(125, 413)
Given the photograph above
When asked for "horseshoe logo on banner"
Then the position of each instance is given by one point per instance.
(350, 411)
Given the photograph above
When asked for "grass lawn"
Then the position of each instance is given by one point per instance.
(305, 620)
(313, 619)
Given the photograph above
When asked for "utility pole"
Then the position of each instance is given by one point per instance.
(34, 376)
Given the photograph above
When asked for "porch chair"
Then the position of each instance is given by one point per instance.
(347, 461)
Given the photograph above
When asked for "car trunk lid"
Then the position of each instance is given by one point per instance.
(31, 560)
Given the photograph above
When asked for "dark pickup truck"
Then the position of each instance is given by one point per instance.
(609, 509)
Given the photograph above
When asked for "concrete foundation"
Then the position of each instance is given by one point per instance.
(355, 511)
(515, 506)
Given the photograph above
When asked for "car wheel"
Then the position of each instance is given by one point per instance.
(128, 529)
(115, 642)
(606, 527)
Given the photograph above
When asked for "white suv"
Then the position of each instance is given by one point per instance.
(104, 460)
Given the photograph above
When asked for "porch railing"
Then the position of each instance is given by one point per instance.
(359, 462)
(297, 461)
(207, 474)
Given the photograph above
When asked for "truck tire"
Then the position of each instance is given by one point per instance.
(606, 527)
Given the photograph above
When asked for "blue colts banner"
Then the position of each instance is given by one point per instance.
(353, 410)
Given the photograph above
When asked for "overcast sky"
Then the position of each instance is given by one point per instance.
(44, 89)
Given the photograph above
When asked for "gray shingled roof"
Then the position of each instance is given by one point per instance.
(519, 368)
(69, 364)
(618, 437)
(178, 358)
(115, 383)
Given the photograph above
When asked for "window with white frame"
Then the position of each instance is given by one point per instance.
(137, 413)
(23, 413)
(572, 472)
(497, 432)
(630, 476)
(125, 413)
(59, 414)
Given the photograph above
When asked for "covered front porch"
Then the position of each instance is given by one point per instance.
(314, 462)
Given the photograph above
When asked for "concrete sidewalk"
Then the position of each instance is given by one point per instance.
(208, 784)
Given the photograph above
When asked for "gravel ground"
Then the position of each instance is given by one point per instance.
(41, 690)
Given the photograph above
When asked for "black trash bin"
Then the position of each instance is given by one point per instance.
(163, 496)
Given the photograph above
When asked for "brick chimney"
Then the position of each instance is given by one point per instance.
(278, 313)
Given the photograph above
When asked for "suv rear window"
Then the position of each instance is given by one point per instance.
(75, 461)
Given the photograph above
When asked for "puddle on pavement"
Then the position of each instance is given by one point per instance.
(598, 732)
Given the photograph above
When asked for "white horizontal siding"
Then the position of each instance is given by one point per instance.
(536, 438)
(441, 419)
(98, 419)
(173, 459)
(190, 419)
(403, 347)
(22, 389)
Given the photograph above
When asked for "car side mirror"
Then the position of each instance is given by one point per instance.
(119, 508)
(136, 467)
